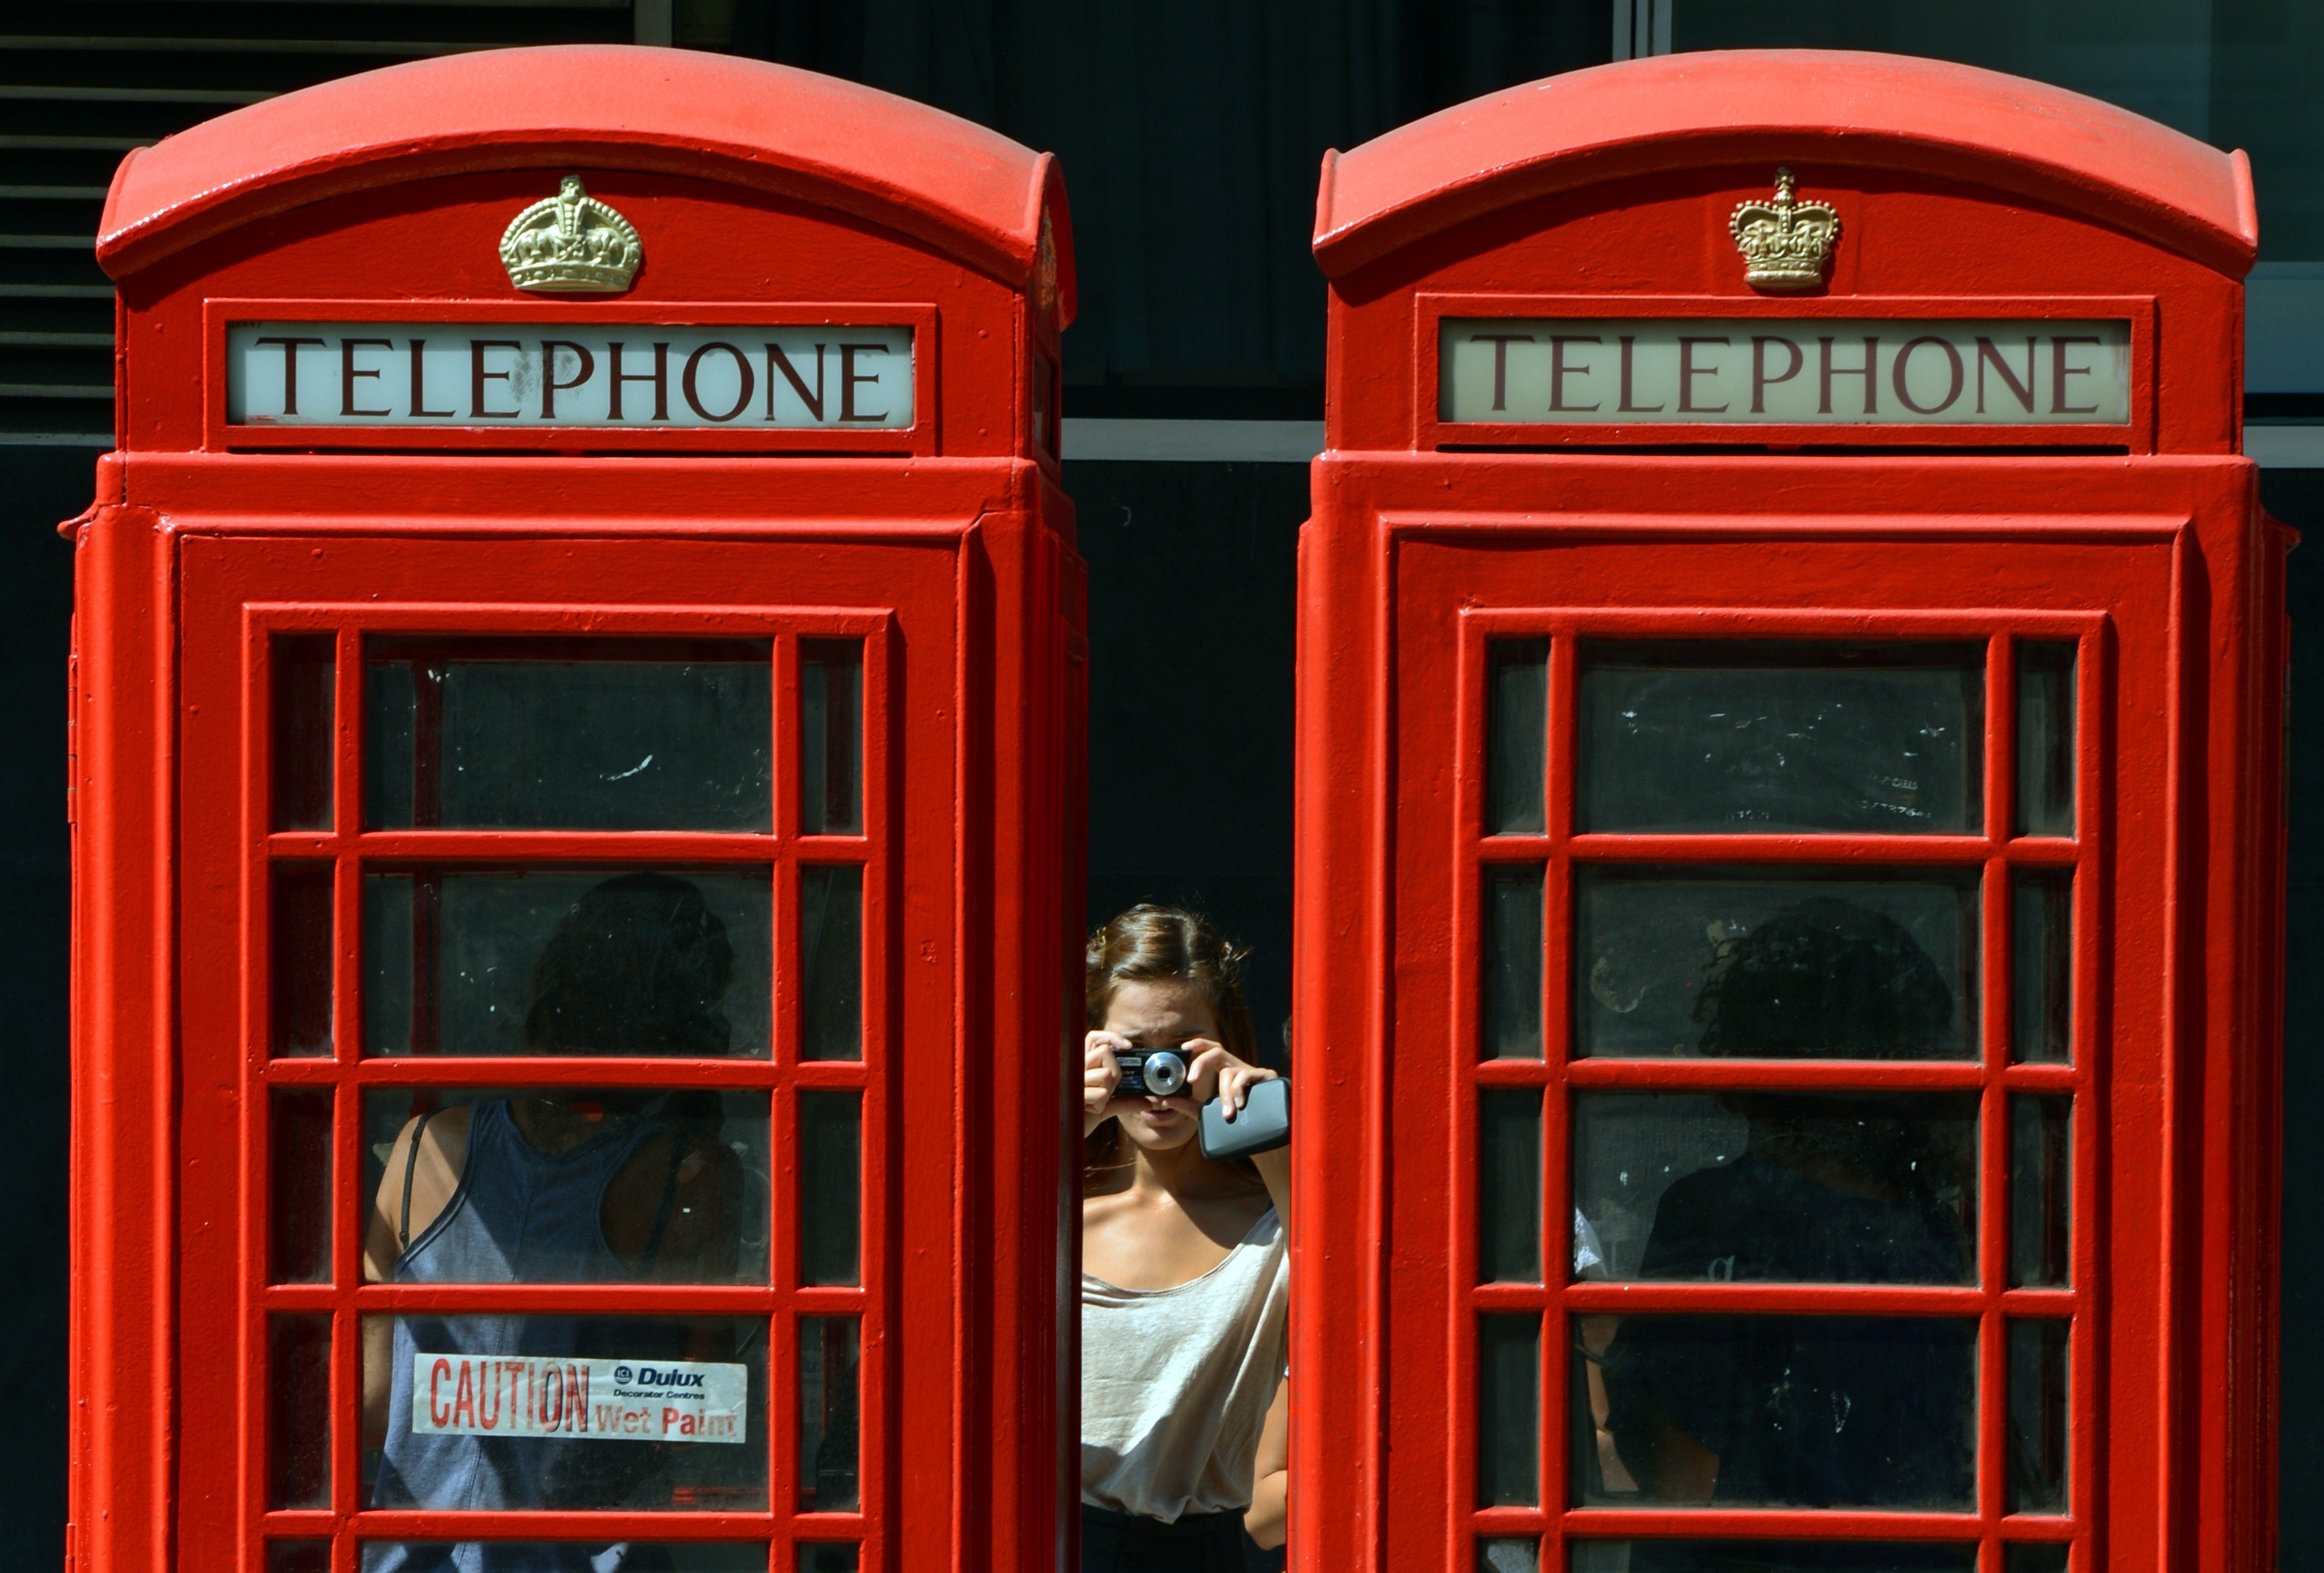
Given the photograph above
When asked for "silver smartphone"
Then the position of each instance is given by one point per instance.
(1262, 1125)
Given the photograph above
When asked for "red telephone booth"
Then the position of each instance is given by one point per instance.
(1791, 848)
(577, 703)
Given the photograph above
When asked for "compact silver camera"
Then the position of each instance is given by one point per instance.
(1151, 1073)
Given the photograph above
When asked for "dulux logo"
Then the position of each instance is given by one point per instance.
(650, 1377)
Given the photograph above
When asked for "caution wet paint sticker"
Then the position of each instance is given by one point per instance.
(605, 1400)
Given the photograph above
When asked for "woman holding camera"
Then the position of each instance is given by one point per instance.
(1186, 1279)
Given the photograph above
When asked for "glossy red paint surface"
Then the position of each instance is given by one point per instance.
(1607, 194)
(760, 195)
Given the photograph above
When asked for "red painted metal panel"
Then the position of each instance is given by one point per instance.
(944, 548)
(1607, 195)
(1718, 106)
(828, 143)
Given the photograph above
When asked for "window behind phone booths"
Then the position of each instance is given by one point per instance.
(1786, 898)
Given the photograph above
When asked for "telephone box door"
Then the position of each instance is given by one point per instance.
(1808, 882)
(657, 882)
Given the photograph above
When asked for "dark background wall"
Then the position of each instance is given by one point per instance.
(1190, 134)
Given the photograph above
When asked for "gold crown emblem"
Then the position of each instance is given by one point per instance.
(570, 243)
(1784, 242)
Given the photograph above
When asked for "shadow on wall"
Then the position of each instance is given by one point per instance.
(2297, 498)
(42, 485)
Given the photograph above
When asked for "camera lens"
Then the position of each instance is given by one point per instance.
(1164, 1074)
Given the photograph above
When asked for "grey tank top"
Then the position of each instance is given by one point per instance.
(521, 1216)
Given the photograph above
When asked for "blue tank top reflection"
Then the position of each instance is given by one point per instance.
(520, 1216)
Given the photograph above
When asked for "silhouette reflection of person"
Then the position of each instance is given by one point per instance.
(562, 1185)
(1794, 1411)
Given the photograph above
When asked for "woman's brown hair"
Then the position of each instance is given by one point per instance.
(1162, 944)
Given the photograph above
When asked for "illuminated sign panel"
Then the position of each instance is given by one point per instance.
(1827, 371)
(568, 374)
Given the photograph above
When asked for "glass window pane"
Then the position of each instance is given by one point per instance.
(2045, 737)
(2041, 967)
(1508, 1185)
(566, 961)
(1763, 735)
(564, 1557)
(298, 1209)
(518, 1411)
(1511, 1013)
(566, 1185)
(305, 680)
(1791, 1412)
(831, 962)
(831, 737)
(2040, 1189)
(827, 1414)
(831, 1187)
(827, 1557)
(1779, 1187)
(2035, 1557)
(1517, 752)
(298, 1557)
(569, 734)
(1508, 1554)
(1508, 1410)
(302, 953)
(1811, 963)
(1660, 1556)
(2037, 1416)
(299, 1411)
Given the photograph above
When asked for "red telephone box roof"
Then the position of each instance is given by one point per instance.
(970, 192)
(1762, 106)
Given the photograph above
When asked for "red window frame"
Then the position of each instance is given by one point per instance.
(1449, 583)
(1995, 853)
(232, 1483)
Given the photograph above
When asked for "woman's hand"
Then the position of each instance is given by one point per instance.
(1213, 1073)
(1101, 1074)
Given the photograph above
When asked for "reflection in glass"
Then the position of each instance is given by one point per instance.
(1516, 753)
(301, 954)
(828, 1407)
(1769, 735)
(565, 1185)
(831, 737)
(1792, 1410)
(2045, 737)
(2037, 1416)
(2035, 1556)
(510, 1411)
(299, 1411)
(2041, 967)
(1512, 983)
(826, 1556)
(297, 1556)
(831, 1187)
(1508, 1554)
(566, 961)
(565, 1556)
(569, 734)
(299, 1185)
(1660, 1556)
(2041, 1189)
(1750, 964)
(1508, 1185)
(1780, 1187)
(831, 962)
(305, 668)
(1508, 1410)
